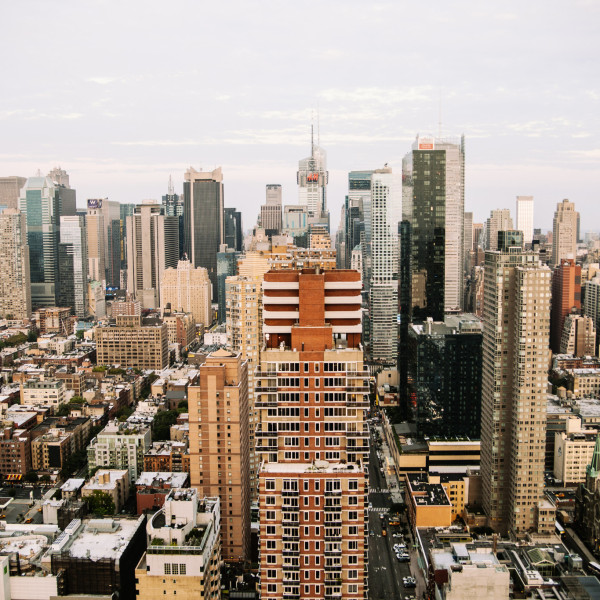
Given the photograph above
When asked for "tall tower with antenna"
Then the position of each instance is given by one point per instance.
(312, 180)
(173, 207)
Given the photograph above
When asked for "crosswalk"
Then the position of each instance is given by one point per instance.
(379, 491)
(379, 509)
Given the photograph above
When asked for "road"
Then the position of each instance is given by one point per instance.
(385, 572)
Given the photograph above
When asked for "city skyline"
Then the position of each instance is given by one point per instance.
(121, 120)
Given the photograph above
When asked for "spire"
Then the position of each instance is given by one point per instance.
(171, 189)
(593, 469)
(312, 140)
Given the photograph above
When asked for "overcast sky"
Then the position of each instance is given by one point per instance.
(123, 94)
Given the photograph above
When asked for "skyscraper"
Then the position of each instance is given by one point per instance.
(383, 288)
(499, 220)
(15, 283)
(525, 217)
(173, 204)
(66, 195)
(226, 267)
(566, 296)
(187, 290)
(312, 393)
(243, 295)
(312, 178)
(10, 190)
(219, 459)
(96, 240)
(203, 220)
(152, 247)
(436, 215)
(515, 362)
(39, 202)
(234, 234)
(270, 212)
(73, 238)
(564, 232)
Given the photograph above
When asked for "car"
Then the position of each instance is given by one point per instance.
(30, 520)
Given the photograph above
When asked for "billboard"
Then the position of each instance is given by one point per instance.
(426, 143)
(93, 203)
(313, 177)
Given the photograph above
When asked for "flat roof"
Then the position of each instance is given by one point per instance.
(319, 466)
(159, 478)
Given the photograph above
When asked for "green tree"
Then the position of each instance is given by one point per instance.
(182, 407)
(100, 503)
(79, 334)
(161, 426)
(63, 410)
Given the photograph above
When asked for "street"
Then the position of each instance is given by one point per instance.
(20, 505)
(385, 571)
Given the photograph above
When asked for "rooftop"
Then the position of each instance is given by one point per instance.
(319, 466)
(160, 478)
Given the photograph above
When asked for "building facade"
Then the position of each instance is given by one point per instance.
(15, 281)
(312, 439)
(203, 220)
(564, 232)
(525, 217)
(515, 361)
(129, 343)
(270, 212)
(219, 452)
(73, 238)
(566, 298)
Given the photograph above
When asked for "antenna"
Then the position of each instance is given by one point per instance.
(171, 190)
(312, 141)
(318, 126)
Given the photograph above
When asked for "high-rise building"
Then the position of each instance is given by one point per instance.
(203, 220)
(499, 220)
(566, 296)
(516, 335)
(10, 191)
(15, 283)
(73, 238)
(188, 290)
(226, 267)
(243, 305)
(219, 452)
(578, 336)
(96, 241)
(525, 217)
(357, 221)
(295, 220)
(591, 304)
(445, 364)
(383, 288)
(39, 202)
(564, 232)
(173, 204)
(313, 441)
(270, 212)
(312, 177)
(152, 247)
(67, 196)
(234, 234)
(436, 216)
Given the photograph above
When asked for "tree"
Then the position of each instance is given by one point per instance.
(100, 503)
(79, 334)
(161, 426)
(182, 407)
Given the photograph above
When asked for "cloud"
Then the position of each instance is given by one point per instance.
(101, 80)
(379, 95)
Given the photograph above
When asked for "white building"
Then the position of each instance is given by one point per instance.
(312, 179)
(564, 232)
(525, 217)
(499, 220)
(43, 392)
(573, 451)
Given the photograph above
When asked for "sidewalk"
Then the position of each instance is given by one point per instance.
(391, 479)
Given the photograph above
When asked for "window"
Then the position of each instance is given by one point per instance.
(271, 529)
(271, 573)
(272, 588)
(353, 484)
(352, 574)
(271, 515)
(271, 559)
(272, 544)
(167, 567)
(306, 546)
(182, 569)
(270, 484)
(175, 569)
(353, 559)
(271, 500)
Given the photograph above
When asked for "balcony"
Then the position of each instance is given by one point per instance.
(290, 508)
(333, 508)
(334, 552)
(291, 552)
(333, 493)
(288, 519)
(358, 434)
(263, 433)
(289, 493)
(263, 448)
(289, 567)
(332, 568)
(265, 388)
(335, 522)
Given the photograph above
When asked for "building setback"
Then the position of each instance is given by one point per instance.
(312, 439)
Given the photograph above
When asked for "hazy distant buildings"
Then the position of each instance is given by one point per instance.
(15, 284)
(295, 220)
(66, 195)
(525, 217)
(73, 250)
(10, 191)
(234, 235)
(564, 232)
(152, 247)
(270, 212)
(39, 202)
(187, 289)
(203, 219)
(435, 209)
(515, 363)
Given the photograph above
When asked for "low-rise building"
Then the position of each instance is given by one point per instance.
(152, 488)
(169, 456)
(185, 554)
(43, 392)
(15, 452)
(573, 451)
(114, 482)
(428, 504)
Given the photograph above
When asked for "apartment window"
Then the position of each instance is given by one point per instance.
(352, 574)
(353, 559)
(306, 546)
(271, 529)
(353, 484)
(270, 484)
(271, 559)
(271, 544)
(272, 588)
(271, 515)
(271, 500)
(353, 530)
(167, 568)
(271, 574)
